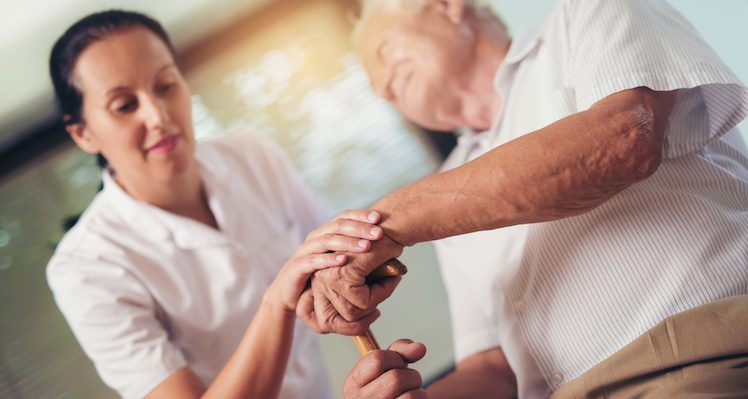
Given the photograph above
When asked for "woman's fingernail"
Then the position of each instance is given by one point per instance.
(372, 216)
(374, 231)
(340, 257)
(362, 243)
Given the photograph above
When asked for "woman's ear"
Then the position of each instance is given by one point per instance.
(454, 10)
(83, 137)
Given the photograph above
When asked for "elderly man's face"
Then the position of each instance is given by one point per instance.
(419, 63)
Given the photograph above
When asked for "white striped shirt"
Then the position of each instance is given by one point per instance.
(561, 296)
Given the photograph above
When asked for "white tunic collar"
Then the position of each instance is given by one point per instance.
(161, 225)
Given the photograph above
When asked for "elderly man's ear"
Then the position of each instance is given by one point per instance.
(452, 9)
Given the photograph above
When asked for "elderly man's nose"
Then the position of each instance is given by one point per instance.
(382, 89)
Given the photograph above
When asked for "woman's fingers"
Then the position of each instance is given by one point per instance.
(367, 216)
(333, 242)
(306, 265)
(349, 227)
(291, 281)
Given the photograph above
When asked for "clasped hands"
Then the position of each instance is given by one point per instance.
(341, 300)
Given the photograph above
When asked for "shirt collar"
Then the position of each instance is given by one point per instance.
(160, 225)
(521, 46)
(523, 43)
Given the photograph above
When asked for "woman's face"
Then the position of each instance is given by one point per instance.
(136, 106)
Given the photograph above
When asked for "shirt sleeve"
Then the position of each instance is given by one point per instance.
(113, 318)
(472, 329)
(615, 45)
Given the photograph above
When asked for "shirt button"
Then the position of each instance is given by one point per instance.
(556, 379)
(520, 306)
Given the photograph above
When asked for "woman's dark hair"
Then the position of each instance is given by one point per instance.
(77, 38)
(69, 47)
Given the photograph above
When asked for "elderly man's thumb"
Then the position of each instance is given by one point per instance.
(410, 351)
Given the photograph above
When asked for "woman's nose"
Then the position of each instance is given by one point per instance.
(154, 112)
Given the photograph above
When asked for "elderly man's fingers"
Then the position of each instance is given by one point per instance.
(382, 289)
(348, 311)
(393, 383)
(344, 291)
(332, 284)
(410, 351)
(353, 301)
(382, 374)
(414, 394)
(328, 319)
(372, 366)
(363, 264)
(358, 327)
(305, 312)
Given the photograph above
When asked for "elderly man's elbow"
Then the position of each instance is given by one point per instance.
(637, 120)
(643, 146)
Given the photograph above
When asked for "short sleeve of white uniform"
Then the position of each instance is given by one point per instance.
(113, 318)
(473, 331)
(614, 45)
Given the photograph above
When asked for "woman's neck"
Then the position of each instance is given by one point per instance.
(183, 194)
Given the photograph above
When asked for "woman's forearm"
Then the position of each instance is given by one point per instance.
(564, 169)
(258, 365)
(254, 371)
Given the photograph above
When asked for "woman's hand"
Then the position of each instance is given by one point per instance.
(352, 231)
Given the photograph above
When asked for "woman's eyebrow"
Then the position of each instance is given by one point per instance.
(121, 88)
(165, 67)
(114, 90)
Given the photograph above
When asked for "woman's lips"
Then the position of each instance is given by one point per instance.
(165, 145)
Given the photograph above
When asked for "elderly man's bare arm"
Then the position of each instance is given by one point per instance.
(482, 375)
(565, 169)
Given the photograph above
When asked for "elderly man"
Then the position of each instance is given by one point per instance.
(592, 221)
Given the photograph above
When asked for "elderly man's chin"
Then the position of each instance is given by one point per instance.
(428, 119)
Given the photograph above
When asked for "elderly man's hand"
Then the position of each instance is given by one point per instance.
(384, 374)
(341, 300)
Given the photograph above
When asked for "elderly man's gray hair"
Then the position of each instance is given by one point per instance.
(412, 6)
(370, 7)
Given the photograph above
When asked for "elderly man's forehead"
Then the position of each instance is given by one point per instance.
(372, 32)
(390, 9)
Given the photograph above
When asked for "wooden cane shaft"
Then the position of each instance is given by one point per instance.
(366, 343)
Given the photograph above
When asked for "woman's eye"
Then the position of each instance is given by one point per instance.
(127, 106)
(165, 88)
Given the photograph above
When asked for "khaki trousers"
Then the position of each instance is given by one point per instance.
(700, 353)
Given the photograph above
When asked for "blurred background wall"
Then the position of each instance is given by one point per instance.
(282, 68)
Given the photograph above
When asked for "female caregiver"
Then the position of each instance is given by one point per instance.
(179, 280)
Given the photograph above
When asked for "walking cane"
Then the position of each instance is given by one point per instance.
(393, 267)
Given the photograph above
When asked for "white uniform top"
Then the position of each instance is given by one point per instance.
(148, 292)
(559, 297)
